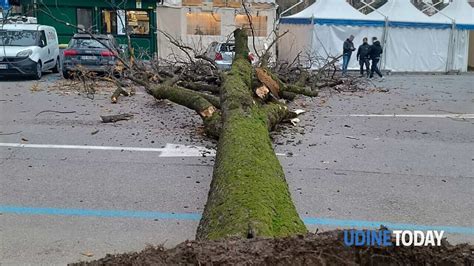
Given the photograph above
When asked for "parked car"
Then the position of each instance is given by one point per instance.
(223, 53)
(28, 49)
(97, 53)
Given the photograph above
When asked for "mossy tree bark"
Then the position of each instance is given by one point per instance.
(205, 105)
(249, 196)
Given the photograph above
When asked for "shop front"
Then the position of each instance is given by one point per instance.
(137, 17)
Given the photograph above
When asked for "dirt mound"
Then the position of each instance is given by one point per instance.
(313, 249)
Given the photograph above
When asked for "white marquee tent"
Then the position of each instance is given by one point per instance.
(412, 40)
(415, 42)
(322, 28)
(462, 14)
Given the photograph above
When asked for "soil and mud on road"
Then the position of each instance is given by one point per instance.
(312, 249)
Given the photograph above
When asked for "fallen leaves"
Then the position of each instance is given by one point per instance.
(35, 87)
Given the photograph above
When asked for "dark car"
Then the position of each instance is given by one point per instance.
(92, 53)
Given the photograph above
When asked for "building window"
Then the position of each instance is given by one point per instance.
(259, 24)
(203, 24)
(138, 22)
(215, 3)
(192, 2)
(234, 3)
(109, 22)
(84, 19)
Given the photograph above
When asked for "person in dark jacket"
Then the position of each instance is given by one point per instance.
(374, 54)
(348, 48)
(363, 57)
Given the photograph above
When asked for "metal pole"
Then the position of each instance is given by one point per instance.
(450, 59)
(290, 8)
(313, 33)
(384, 42)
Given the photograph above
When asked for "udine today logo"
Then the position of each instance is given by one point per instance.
(392, 238)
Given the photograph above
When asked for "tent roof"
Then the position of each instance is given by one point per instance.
(405, 11)
(331, 9)
(400, 13)
(401, 10)
(333, 12)
(460, 11)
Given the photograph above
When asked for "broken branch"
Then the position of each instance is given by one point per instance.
(115, 118)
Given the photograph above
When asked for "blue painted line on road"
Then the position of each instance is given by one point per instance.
(196, 217)
(99, 213)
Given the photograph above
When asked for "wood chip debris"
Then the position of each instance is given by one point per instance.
(299, 111)
(295, 121)
(268, 81)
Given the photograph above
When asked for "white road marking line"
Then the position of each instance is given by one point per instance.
(170, 150)
(77, 147)
(179, 150)
(458, 116)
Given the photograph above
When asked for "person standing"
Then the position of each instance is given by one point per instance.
(363, 57)
(348, 48)
(374, 54)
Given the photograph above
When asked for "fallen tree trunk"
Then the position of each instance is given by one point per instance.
(249, 196)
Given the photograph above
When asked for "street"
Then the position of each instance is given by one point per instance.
(349, 163)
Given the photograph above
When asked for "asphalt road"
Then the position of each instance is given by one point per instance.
(415, 171)
(68, 200)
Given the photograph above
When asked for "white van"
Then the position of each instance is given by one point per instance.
(28, 49)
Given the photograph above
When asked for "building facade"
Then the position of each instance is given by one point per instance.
(100, 16)
(198, 23)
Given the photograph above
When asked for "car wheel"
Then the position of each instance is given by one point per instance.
(57, 67)
(39, 71)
